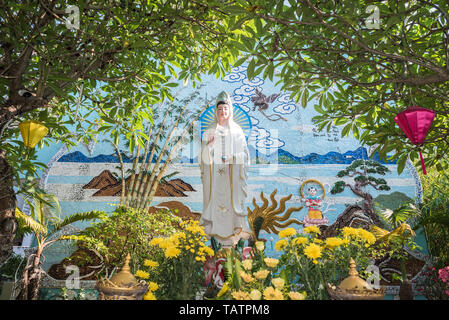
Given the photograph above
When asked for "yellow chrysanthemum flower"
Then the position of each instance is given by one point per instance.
(255, 294)
(247, 264)
(261, 274)
(142, 274)
(286, 233)
(278, 283)
(150, 263)
(333, 242)
(366, 236)
(300, 241)
(297, 295)
(271, 293)
(153, 286)
(260, 245)
(240, 295)
(271, 262)
(149, 296)
(313, 251)
(200, 258)
(312, 229)
(172, 252)
(350, 232)
(156, 241)
(209, 251)
(281, 244)
(246, 277)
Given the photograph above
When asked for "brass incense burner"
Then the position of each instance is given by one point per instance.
(355, 288)
(121, 286)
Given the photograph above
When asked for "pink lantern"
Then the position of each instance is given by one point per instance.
(415, 122)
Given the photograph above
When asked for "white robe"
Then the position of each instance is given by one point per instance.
(224, 185)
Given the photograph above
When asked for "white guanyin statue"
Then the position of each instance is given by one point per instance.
(224, 171)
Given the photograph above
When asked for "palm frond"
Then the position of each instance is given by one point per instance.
(386, 236)
(378, 232)
(82, 216)
(29, 225)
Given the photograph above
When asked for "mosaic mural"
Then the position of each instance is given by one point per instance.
(288, 155)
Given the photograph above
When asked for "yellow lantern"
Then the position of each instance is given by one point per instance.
(32, 132)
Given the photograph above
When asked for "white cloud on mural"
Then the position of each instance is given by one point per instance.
(254, 121)
(234, 77)
(245, 90)
(285, 98)
(258, 133)
(244, 107)
(239, 69)
(285, 108)
(256, 82)
(237, 74)
(239, 99)
(263, 140)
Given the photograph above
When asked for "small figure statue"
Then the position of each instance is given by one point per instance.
(314, 203)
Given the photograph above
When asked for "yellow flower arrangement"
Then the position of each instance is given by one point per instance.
(184, 249)
(286, 233)
(281, 244)
(312, 229)
(261, 274)
(313, 251)
(271, 262)
(271, 293)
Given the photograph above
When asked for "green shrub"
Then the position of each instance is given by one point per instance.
(127, 230)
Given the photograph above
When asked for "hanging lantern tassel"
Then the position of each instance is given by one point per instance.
(415, 122)
(32, 132)
(423, 166)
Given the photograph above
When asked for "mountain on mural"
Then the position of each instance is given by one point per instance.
(109, 185)
(284, 157)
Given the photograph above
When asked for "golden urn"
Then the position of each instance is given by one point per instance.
(355, 288)
(121, 286)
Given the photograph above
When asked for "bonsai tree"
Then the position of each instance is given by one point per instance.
(362, 172)
(43, 222)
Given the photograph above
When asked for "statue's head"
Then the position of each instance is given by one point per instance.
(223, 107)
